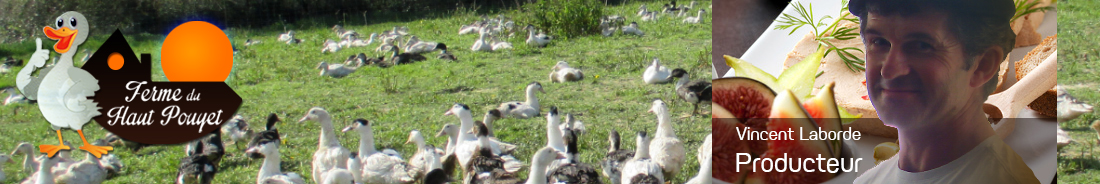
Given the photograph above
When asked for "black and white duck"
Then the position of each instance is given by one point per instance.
(237, 130)
(694, 92)
(573, 171)
(270, 171)
(616, 157)
(641, 168)
(196, 167)
(525, 109)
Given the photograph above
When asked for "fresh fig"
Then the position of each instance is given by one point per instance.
(727, 146)
(749, 100)
(786, 115)
(822, 108)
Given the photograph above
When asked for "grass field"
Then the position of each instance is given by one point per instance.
(1078, 37)
(273, 77)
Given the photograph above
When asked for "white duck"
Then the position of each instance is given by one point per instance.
(341, 32)
(335, 70)
(63, 90)
(642, 10)
(467, 143)
(13, 96)
(364, 43)
(606, 29)
(330, 154)
(633, 29)
(499, 44)
(641, 167)
(289, 35)
(420, 46)
(482, 44)
(467, 29)
(696, 18)
(386, 45)
(554, 136)
(563, 73)
(525, 109)
(330, 46)
(666, 149)
(3, 159)
(378, 167)
(30, 165)
(419, 162)
(448, 160)
(1063, 138)
(491, 116)
(87, 171)
(704, 150)
(704, 173)
(538, 40)
(650, 16)
(42, 175)
(269, 171)
(655, 73)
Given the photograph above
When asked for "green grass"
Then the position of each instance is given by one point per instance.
(273, 77)
(1079, 162)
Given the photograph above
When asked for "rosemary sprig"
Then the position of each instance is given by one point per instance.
(826, 36)
(1024, 7)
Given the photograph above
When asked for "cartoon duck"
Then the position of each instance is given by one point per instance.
(62, 90)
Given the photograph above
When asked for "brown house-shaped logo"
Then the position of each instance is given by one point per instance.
(154, 121)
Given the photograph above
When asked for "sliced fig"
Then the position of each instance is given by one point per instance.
(726, 140)
(749, 101)
(787, 114)
(823, 109)
(745, 98)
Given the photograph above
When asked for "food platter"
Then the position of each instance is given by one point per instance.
(1032, 140)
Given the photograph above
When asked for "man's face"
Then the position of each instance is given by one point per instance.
(916, 73)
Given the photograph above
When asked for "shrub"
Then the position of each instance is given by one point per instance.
(566, 18)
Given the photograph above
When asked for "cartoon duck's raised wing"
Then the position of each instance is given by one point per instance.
(80, 86)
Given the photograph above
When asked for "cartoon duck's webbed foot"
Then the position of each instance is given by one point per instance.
(51, 150)
(98, 151)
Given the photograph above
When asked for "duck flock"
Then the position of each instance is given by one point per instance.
(472, 152)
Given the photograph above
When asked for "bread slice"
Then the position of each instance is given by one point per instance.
(1045, 104)
(851, 92)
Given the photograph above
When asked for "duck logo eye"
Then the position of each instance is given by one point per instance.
(60, 23)
(72, 21)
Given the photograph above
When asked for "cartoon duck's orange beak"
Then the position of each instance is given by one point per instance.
(64, 37)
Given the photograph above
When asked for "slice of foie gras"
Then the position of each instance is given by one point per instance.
(851, 90)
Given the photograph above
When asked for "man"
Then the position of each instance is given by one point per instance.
(931, 64)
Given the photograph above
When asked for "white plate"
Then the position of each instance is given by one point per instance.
(769, 51)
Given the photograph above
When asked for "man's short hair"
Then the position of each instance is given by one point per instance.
(977, 24)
